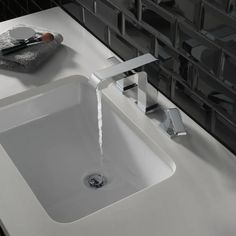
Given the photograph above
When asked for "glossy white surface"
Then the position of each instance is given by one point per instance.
(199, 199)
(51, 136)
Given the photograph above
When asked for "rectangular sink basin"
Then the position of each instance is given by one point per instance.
(51, 135)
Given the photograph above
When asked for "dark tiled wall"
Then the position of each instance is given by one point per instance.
(14, 8)
(195, 41)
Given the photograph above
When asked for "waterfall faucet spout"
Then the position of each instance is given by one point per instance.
(101, 79)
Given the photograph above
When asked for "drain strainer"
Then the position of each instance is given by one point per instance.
(95, 180)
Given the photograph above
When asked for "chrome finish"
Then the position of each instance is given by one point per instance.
(124, 81)
(173, 124)
(101, 79)
(147, 94)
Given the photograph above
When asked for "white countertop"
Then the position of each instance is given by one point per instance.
(199, 199)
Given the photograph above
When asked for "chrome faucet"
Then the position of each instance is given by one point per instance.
(104, 77)
(173, 124)
(122, 73)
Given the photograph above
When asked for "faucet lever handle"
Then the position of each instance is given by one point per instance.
(173, 124)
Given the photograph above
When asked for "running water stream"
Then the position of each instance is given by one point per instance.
(100, 140)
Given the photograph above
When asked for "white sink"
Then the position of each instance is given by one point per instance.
(51, 135)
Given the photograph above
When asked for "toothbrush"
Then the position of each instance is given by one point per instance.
(45, 38)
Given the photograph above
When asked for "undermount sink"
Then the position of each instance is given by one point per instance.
(51, 135)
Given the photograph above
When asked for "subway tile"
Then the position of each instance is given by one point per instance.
(95, 25)
(195, 42)
(159, 78)
(105, 10)
(200, 50)
(194, 107)
(189, 9)
(213, 93)
(122, 47)
(157, 22)
(225, 132)
(13, 8)
(229, 72)
(76, 11)
(143, 38)
(89, 4)
(213, 18)
(229, 6)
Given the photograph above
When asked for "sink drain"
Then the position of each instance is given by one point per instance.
(95, 180)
